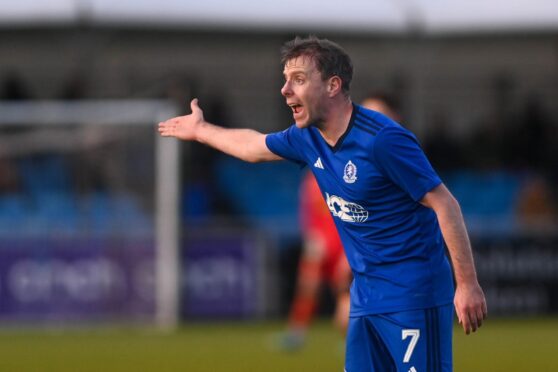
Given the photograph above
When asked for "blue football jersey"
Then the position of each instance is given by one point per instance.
(372, 181)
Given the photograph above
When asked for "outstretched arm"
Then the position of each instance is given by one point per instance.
(245, 144)
(469, 301)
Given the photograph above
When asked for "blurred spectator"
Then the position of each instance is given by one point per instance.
(536, 202)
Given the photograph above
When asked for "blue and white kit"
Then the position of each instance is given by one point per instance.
(373, 180)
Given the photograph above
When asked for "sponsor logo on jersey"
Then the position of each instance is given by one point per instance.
(318, 163)
(346, 211)
(350, 172)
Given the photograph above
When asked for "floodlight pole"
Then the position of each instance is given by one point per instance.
(167, 260)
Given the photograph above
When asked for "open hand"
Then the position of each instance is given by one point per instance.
(183, 127)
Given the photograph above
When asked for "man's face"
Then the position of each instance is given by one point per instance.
(304, 90)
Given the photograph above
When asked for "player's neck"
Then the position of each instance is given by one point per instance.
(337, 121)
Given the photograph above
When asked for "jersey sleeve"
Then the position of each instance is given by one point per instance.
(287, 144)
(400, 158)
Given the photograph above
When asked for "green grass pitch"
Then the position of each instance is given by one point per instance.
(501, 345)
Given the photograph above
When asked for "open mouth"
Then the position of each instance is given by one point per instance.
(296, 108)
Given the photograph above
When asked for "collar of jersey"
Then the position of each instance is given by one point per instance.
(339, 142)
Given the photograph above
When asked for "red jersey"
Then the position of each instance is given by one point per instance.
(315, 216)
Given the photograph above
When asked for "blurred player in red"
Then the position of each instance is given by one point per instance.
(323, 259)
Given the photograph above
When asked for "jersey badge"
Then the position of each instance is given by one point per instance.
(350, 172)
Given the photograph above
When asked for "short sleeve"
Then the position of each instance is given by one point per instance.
(287, 144)
(400, 158)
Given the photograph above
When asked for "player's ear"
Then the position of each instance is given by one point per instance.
(334, 85)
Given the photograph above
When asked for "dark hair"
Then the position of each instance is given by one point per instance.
(330, 58)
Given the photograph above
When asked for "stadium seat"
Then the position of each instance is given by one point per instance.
(487, 199)
(266, 193)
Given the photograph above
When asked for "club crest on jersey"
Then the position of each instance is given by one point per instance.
(345, 210)
(349, 173)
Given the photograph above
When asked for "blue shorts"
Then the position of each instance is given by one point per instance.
(407, 341)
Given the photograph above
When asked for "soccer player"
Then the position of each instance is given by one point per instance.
(322, 261)
(392, 211)
(322, 257)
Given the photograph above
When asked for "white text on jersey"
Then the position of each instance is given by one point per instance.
(346, 211)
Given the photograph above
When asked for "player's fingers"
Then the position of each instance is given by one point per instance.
(466, 327)
(480, 317)
(467, 322)
(166, 130)
(472, 327)
(165, 124)
(194, 105)
(474, 322)
(475, 315)
(461, 316)
(458, 313)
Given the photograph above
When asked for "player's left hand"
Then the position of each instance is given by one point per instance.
(470, 306)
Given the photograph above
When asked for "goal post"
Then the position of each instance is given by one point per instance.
(167, 263)
(52, 123)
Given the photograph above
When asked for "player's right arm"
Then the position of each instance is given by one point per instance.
(245, 144)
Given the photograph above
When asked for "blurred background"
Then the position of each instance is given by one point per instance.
(104, 225)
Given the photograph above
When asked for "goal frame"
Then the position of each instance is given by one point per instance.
(114, 112)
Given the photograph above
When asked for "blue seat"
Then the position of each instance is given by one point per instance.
(14, 214)
(265, 193)
(45, 174)
(487, 199)
(57, 212)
